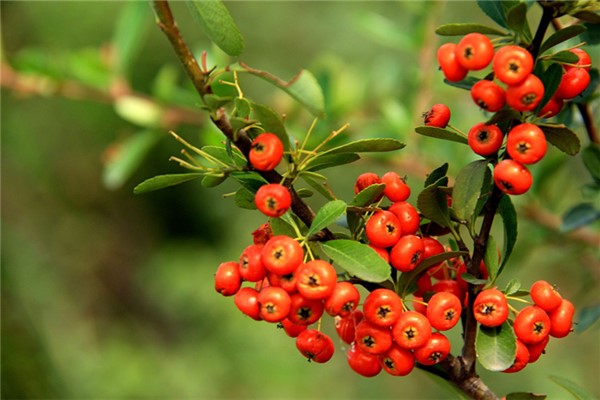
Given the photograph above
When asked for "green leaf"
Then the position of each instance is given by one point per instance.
(516, 18)
(214, 102)
(245, 199)
(461, 29)
(221, 154)
(592, 35)
(358, 259)
(468, 188)
(562, 138)
(250, 180)
(311, 178)
(323, 161)
(242, 108)
(465, 84)
(472, 280)
(550, 79)
(366, 146)
(561, 36)
(433, 204)
(576, 391)
(564, 56)
(496, 347)
(579, 216)
(368, 195)
(129, 156)
(587, 317)
(271, 122)
(282, 226)
(525, 396)
(440, 133)
(512, 287)
(218, 25)
(407, 278)
(591, 159)
(436, 175)
(163, 181)
(213, 180)
(129, 34)
(327, 215)
(509, 220)
(494, 10)
(491, 258)
(305, 193)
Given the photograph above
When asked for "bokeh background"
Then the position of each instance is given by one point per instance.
(106, 294)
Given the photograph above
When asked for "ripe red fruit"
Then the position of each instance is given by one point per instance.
(397, 361)
(584, 62)
(291, 329)
(407, 253)
(545, 296)
(246, 300)
(521, 358)
(346, 326)
(266, 151)
(573, 83)
(316, 279)
(227, 278)
(286, 282)
(453, 71)
(362, 363)
(315, 345)
(526, 95)
(561, 319)
(423, 285)
(474, 51)
(537, 349)
(412, 330)
(383, 229)
(531, 325)
(396, 188)
(443, 310)
(438, 116)
(343, 300)
(512, 64)
(281, 255)
(490, 308)
(274, 304)
(450, 286)
(488, 95)
(251, 266)
(273, 200)
(304, 311)
(365, 180)
(512, 177)
(407, 215)
(485, 140)
(526, 143)
(435, 350)
(373, 339)
(383, 253)
(382, 307)
(552, 107)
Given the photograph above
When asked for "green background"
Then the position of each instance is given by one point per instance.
(106, 294)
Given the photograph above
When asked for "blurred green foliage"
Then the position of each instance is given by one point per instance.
(109, 295)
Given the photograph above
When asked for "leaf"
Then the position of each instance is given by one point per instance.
(358, 259)
(221, 154)
(242, 108)
(577, 391)
(592, 35)
(213, 180)
(440, 133)
(461, 29)
(436, 175)
(323, 161)
(280, 226)
(218, 25)
(214, 102)
(494, 10)
(271, 122)
(129, 156)
(587, 317)
(550, 79)
(250, 180)
(129, 34)
(491, 259)
(496, 347)
(407, 278)
(368, 195)
(163, 181)
(245, 199)
(367, 146)
(516, 18)
(472, 280)
(512, 287)
(465, 84)
(591, 159)
(311, 179)
(327, 215)
(509, 220)
(564, 56)
(579, 216)
(525, 396)
(561, 36)
(562, 138)
(433, 204)
(467, 189)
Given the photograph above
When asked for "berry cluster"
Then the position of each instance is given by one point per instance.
(511, 85)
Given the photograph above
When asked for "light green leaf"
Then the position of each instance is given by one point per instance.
(221, 154)
(313, 179)
(213, 180)
(496, 347)
(271, 122)
(468, 188)
(366, 146)
(512, 287)
(129, 34)
(218, 25)
(368, 195)
(576, 391)
(358, 259)
(245, 199)
(250, 180)
(327, 215)
(163, 181)
(461, 29)
(323, 161)
(440, 133)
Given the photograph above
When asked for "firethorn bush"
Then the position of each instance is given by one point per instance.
(386, 276)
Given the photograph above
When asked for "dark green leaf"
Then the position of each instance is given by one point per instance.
(433, 204)
(509, 220)
(525, 396)
(550, 79)
(213, 180)
(323, 161)
(496, 347)
(305, 193)
(214, 102)
(472, 280)
(587, 317)
(129, 156)
(313, 180)
(592, 35)
(163, 181)
(491, 259)
(440, 133)
(562, 138)
(468, 188)
(358, 259)
(245, 199)
(408, 278)
(494, 10)
(561, 36)
(271, 122)
(368, 195)
(512, 287)
(250, 180)
(129, 34)
(465, 84)
(591, 160)
(516, 18)
(218, 25)
(579, 216)
(436, 175)
(576, 391)
(564, 56)
(462, 29)
(327, 215)
(504, 116)
(367, 146)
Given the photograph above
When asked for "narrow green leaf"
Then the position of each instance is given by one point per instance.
(358, 259)
(250, 180)
(576, 391)
(562, 138)
(305, 193)
(512, 287)
(561, 36)
(509, 220)
(213, 180)
(491, 259)
(368, 195)
(472, 280)
(367, 146)
(436, 175)
(433, 204)
(496, 347)
(271, 122)
(313, 180)
(516, 18)
(235, 157)
(323, 161)
(494, 10)
(525, 396)
(218, 25)
(327, 215)
(550, 79)
(129, 34)
(440, 133)
(578, 216)
(129, 156)
(468, 188)
(461, 29)
(245, 199)
(591, 159)
(163, 181)
(564, 56)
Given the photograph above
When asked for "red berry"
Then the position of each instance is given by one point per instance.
(383, 229)
(521, 358)
(287, 282)
(488, 95)
(281, 255)
(485, 140)
(474, 51)
(397, 361)
(291, 329)
(266, 151)
(228, 279)
(545, 296)
(552, 107)
(512, 177)
(346, 326)
(382, 307)
(531, 325)
(490, 308)
(343, 300)
(526, 95)
(396, 188)
(438, 116)
(561, 319)
(526, 143)
(246, 300)
(251, 267)
(304, 311)
(316, 279)
(362, 363)
(453, 71)
(373, 339)
(537, 349)
(407, 253)
(434, 351)
(412, 330)
(365, 180)
(512, 64)
(383, 253)
(584, 61)
(573, 83)
(315, 345)
(273, 200)
(450, 286)
(274, 304)
(443, 310)
(407, 215)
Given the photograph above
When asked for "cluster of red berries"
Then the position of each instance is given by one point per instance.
(513, 67)
(549, 315)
